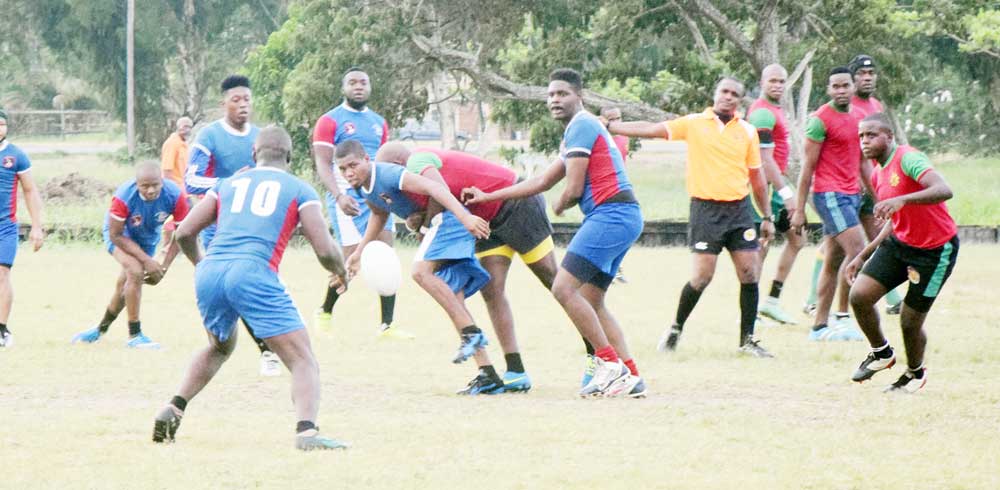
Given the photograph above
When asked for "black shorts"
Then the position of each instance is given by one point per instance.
(895, 262)
(717, 224)
(782, 222)
(521, 226)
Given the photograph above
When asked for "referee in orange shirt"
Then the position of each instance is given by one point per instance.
(723, 163)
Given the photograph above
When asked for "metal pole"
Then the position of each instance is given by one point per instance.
(130, 78)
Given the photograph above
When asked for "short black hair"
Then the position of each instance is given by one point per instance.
(568, 75)
(837, 70)
(732, 79)
(881, 119)
(354, 69)
(350, 148)
(233, 81)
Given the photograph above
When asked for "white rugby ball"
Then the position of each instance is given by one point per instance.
(380, 268)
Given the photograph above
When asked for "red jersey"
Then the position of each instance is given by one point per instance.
(923, 226)
(622, 143)
(461, 170)
(771, 125)
(838, 168)
(866, 107)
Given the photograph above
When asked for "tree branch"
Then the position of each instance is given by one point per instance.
(726, 26)
(799, 68)
(985, 51)
(699, 39)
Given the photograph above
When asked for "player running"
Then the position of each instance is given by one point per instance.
(517, 226)
(767, 116)
(919, 244)
(256, 211)
(351, 120)
(831, 170)
(445, 264)
(16, 167)
(596, 181)
(132, 230)
(221, 149)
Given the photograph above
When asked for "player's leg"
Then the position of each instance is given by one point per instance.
(633, 385)
(894, 301)
(346, 231)
(827, 285)
(424, 274)
(8, 251)
(498, 307)
(794, 242)
(809, 307)
(868, 288)
(115, 306)
(132, 292)
(746, 262)
(851, 241)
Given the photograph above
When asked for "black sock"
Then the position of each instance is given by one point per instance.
(514, 362)
(3, 328)
(471, 329)
(304, 425)
(840, 315)
(749, 296)
(883, 352)
(388, 304)
(331, 299)
(260, 343)
(587, 345)
(134, 328)
(106, 322)
(489, 371)
(689, 298)
(776, 286)
(817, 328)
(179, 402)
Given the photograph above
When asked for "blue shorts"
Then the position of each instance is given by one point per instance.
(837, 211)
(149, 248)
(8, 247)
(350, 229)
(597, 249)
(454, 248)
(244, 288)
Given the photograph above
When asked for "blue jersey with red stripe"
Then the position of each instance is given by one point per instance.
(585, 135)
(343, 123)
(219, 152)
(13, 162)
(385, 190)
(257, 211)
(144, 219)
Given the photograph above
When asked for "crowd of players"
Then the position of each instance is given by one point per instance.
(237, 207)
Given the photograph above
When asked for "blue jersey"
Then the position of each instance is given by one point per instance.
(144, 219)
(586, 136)
(219, 152)
(257, 212)
(344, 123)
(13, 162)
(385, 190)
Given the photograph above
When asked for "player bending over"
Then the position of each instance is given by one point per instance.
(256, 212)
(919, 244)
(132, 230)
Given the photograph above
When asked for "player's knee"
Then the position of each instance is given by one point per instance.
(700, 281)
(562, 292)
(421, 273)
(860, 299)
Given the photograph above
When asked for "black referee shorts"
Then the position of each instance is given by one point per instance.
(714, 225)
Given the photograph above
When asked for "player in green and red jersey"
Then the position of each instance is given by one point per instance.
(919, 244)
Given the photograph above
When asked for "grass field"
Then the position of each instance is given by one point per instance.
(81, 416)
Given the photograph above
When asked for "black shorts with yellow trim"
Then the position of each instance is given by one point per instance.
(895, 262)
(714, 225)
(521, 226)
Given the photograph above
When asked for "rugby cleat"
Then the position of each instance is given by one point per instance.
(310, 440)
(833, 334)
(387, 331)
(605, 375)
(322, 320)
(871, 365)
(908, 382)
(774, 312)
(894, 309)
(270, 364)
(668, 342)
(483, 384)
(627, 387)
(516, 382)
(141, 341)
(753, 348)
(809, 309)
(471, 342)
(588, 370)
(6, 339)
(166, 423)
(87, 336)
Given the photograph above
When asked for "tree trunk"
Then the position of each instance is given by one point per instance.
(485, 139)
(438, 90)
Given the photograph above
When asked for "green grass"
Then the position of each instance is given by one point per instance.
(81, 416)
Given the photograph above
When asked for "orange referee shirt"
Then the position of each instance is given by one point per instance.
(719, 157)
(174, 156)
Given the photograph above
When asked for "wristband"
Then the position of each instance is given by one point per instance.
(786, 193)
(424, 230)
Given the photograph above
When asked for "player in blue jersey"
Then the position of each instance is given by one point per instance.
(596, 181)
(132, 230)
(256, 211)
(445, 265)
(221, 149)
(14, 167)
(351, 120)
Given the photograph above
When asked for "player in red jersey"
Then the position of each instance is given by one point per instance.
(918, 244)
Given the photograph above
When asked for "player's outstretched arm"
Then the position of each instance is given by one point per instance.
(576, 176)
(33, 199)
(855, 265)
(440, 193)
(314, 228)
(535, 185)
(639, 129)
(186, 235)
(376, 221)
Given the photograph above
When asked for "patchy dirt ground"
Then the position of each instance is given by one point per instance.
(75, 187)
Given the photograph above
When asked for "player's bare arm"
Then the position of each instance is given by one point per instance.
(33, 199)
(759, 185)
(323, 157)
(440, 193)
(854, 267)
(315, 229)
(433, 207)
(812, 149)
(639, 129)
(186, 235)
(935, 190)
(376, 221)
(535, 185)
(116, 231)
(576, 176)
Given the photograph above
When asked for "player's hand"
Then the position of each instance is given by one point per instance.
(348, 204)
(852, 270)
(885, 209)
(472, 195)
(476, 225)
(766, 232)
(153, 272)
(353, 264)
(338, 283)
(798, 220)
(414, 222)
(36, 236)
